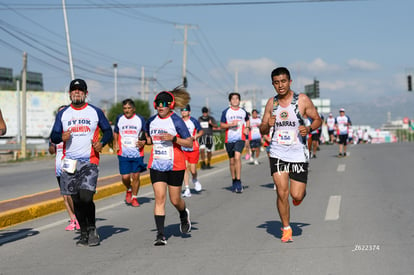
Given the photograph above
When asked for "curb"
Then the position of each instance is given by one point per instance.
(37, 210)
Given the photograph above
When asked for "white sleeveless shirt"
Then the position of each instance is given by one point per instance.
(287, 143)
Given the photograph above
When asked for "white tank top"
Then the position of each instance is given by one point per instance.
(287, 143)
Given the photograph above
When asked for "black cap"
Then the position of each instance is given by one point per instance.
(204, 110)
(78, 84)
(187, 108)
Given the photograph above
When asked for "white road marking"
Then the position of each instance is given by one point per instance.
(341, 168)
(332, 211)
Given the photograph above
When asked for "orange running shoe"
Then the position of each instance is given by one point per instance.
(286, 235)
(296, 203)
(134, 202)
(128, 197)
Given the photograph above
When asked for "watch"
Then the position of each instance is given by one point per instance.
(174, 139)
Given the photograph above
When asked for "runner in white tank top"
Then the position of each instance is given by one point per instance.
(288, 155)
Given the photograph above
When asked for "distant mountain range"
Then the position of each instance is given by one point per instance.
(378, 111)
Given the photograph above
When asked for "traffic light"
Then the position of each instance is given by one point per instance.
(410, 85)
(185, 82)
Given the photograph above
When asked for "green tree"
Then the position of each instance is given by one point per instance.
(141, 108)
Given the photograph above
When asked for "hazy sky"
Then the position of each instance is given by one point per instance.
(358, 50)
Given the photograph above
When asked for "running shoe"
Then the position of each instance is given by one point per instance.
(160, 240)
(93, 237)
(197, 186)
(247, 157)
(256, 162)
(203, 165)
(239, 186)
(83, 240)
(296, 203)
(286, 235)
(233, 186)
(208, 166)
(187, 193)
(128, 197)
(134, 202)
(185, 226)
(77, 225)
(71, 226)
(340, 155)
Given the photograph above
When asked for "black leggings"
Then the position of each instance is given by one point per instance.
(84, 209)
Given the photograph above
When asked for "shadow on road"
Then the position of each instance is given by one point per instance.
(274, 228)
(14, 235)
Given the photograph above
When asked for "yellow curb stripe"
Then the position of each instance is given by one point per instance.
(23, 214)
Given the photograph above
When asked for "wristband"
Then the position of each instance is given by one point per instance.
(310, 129)
(174, 139)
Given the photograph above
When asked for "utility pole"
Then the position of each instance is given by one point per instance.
(24, 111)
(142, 82)
(72, 72)
(19, 111)
(236, 81)
(185, 42)
(115, 83)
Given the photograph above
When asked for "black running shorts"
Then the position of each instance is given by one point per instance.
(298, 171)
(173, 178)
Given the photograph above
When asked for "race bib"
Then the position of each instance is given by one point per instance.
(130, 142)
(162, 152)
(69, 165)
(204, 124)
(286, 137)
(342, 128)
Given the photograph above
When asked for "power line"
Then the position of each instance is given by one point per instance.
(162, 5)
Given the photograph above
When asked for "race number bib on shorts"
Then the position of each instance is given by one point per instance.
(286, 137)
(162, 152)
(69, 165)
(129, 141)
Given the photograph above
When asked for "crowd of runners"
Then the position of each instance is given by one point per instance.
(289, 131)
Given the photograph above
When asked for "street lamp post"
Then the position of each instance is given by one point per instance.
(115, 83)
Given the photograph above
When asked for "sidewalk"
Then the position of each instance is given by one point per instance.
(33, 206)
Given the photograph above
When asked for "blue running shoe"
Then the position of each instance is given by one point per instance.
(239, 186)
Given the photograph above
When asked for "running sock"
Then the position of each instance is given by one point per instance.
(136, 197)
(90, 213)
(286, 227)
(183, 213)
(159, 222)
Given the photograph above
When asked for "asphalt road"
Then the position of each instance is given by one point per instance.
(356, 219)
(25, 178)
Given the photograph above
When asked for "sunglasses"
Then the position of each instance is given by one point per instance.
(160, 103)
(184, 110)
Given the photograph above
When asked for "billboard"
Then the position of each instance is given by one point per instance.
(40, 114)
